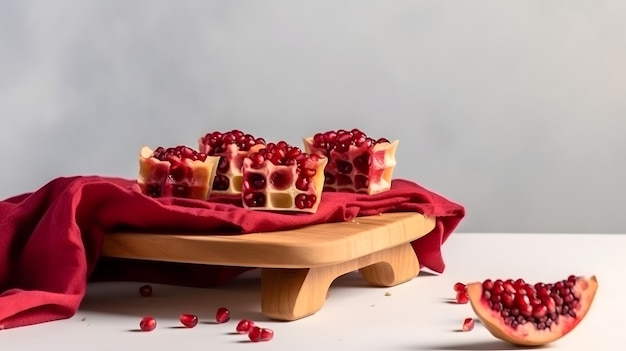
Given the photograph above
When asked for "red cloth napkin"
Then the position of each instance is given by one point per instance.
(50, 239)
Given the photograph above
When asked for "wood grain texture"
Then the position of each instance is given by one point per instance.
(307, 247)
(297, 266)
(290, 294)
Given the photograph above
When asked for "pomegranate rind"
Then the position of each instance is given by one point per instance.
(284, 199)
(155, 171)
(379, 173)
(526, 334)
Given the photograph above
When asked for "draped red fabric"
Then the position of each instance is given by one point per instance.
(50, 239)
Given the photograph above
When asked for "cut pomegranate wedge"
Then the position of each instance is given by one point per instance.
(232, 147)
(178, 171)
(356, 162)
(281, 177)
(532, 315)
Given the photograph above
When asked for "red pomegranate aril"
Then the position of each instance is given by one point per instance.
(468, 324)
(540, 311)
(221, 182)
(289, 173)
(488, 284)
(267, 334)
(362, 163)
(188, 320)
(244, 326)
(361, 181)
(343, 179)
(461, 297)
(254, 199)
(547, 311)
(255, 181)
(459, 287)
(147, 324)
(222, 315)
(302, 183)
(257, 334)
(343, 166)
(281, 179)
(507, 299)
(145, 290)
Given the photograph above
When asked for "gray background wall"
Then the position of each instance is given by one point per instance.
(515, 109)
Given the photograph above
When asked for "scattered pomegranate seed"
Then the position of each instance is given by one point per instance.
(189, 320)
(244, 326)
(468, 324)
(459, 287)
(145, 290)
(461, 297)
(147, 324)
(267, 334)
(257, 334)
(222, 315)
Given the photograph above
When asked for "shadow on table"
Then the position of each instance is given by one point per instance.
(242, 296)
(481, 345)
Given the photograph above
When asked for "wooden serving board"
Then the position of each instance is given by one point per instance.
(297, 266)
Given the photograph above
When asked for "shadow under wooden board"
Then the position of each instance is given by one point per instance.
(297, 266)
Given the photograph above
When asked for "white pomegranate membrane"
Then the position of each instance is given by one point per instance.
(282, 177)
(357, 162)
(177, 171)
(232, 147)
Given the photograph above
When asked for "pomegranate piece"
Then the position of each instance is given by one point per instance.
(356, 162)
(283, 178)
(532, 315)
(231, 147)
(257, 334)
(468, 324)
(177, 171)
(188, 320)
(244, 326)
(461, 297)
(222, 315)
(147, 324)
(458, 287)
(145, 290)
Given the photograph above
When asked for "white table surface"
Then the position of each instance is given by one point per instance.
(416, 315)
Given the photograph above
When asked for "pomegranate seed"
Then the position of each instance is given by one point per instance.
(257, 334)
(281, 179)
(461, 297)
(460, 287)
(145, 290)
(468, 324)
(222, 315)
(147, 324)
(267, 334)
(189, 320)
(244, 326)
(541, 304)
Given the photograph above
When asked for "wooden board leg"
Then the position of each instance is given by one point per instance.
(290, 294)
(395, 265)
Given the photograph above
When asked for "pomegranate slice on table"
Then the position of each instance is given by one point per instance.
(232, 147)
(177, 171)
(281, 177)
(532, 315)
(356, 162)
